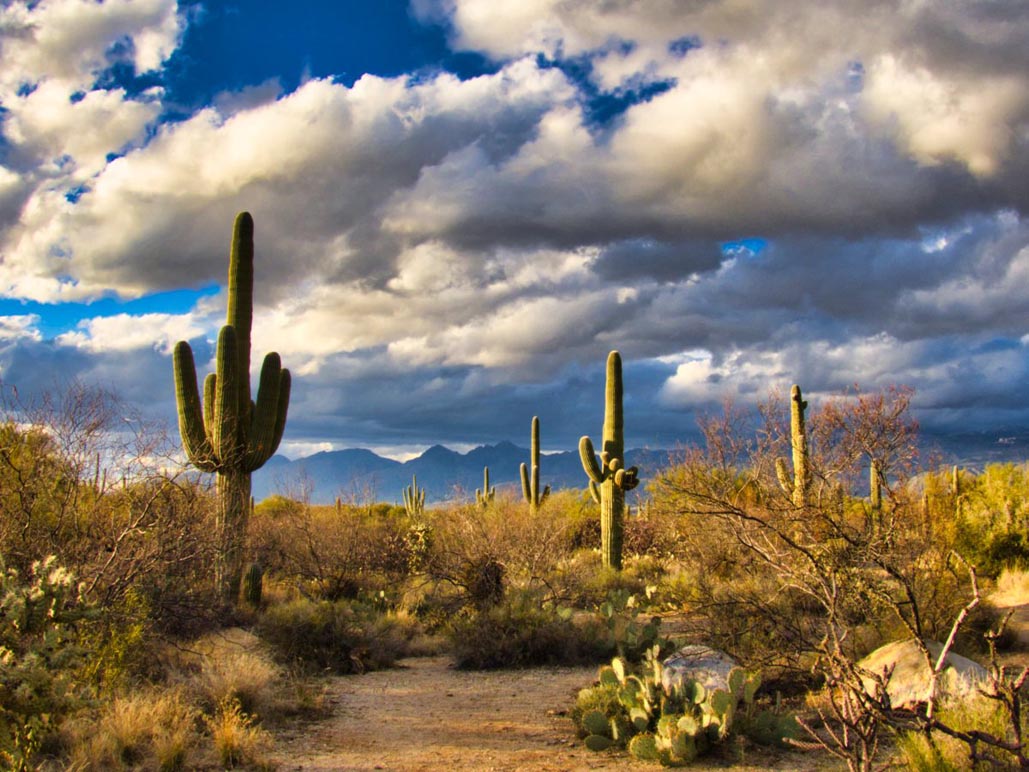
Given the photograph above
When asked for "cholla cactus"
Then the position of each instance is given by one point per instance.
(609, 479)
(231, 435)
(798, 488)
(414, 498)
(531, 477)
(485, 496)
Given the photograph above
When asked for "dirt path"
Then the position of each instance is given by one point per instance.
(428, 716)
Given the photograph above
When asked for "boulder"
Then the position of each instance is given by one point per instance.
(909, 683)
(698, 663)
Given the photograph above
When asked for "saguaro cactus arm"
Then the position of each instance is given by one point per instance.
(191, 418)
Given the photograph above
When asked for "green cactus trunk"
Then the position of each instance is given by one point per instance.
(801, 483)
(228, 434)
(531, 477)
(609, 480)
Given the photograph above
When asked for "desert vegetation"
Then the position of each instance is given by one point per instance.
(151, 620)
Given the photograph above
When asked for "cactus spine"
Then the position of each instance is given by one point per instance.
(485, 496)
(801, 462)
(414, 498)
(609, 480)
(231, 435)
(531, 477)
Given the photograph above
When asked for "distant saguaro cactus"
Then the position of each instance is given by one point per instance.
(414, 498)
(609, 479)
(485, 496)
(798, 488)
(231, 435)
(875, 485)
(531, 477)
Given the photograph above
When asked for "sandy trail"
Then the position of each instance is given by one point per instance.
(427, 716)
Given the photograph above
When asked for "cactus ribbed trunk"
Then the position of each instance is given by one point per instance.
(798, 440)
(609, 479)
(233, 491)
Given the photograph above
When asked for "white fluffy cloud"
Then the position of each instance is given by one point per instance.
(497, 232)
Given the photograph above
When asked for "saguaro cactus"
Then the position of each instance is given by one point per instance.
(231, 435)
(414, 498)
(485, 496)
(531, 477)
(609, 479)
(801, 463)
(875, 485)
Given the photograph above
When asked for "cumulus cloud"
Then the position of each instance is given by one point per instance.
(125, 332)
(442, 246)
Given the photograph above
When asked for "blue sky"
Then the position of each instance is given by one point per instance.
(462, 205)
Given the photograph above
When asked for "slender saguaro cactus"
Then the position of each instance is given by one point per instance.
(801, 463)
(531, 477)
(485, 496)
(414, 497)
(609, 479)
(231, 435)
(875, 485)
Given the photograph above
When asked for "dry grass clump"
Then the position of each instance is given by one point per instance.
(231, 665)
(148, 731)
(237, 740)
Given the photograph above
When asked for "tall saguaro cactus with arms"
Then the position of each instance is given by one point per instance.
(531, 476)
(609, 479)
(230, 434)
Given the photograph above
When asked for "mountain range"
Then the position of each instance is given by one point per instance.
(357, 474)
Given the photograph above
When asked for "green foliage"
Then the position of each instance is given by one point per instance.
(339, 637)
(609, 479)
(40, 658)
(230, 434)
(993, 518)
(524, 631)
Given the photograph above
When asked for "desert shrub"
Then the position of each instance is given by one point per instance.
(147, 730)
(524, 631)
(237, 740)
(335, 636)
(40, 659)
(976, 713)
(227, 673)
(331, 553)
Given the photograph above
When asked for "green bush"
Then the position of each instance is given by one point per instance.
(523, 631)
(335, 636)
